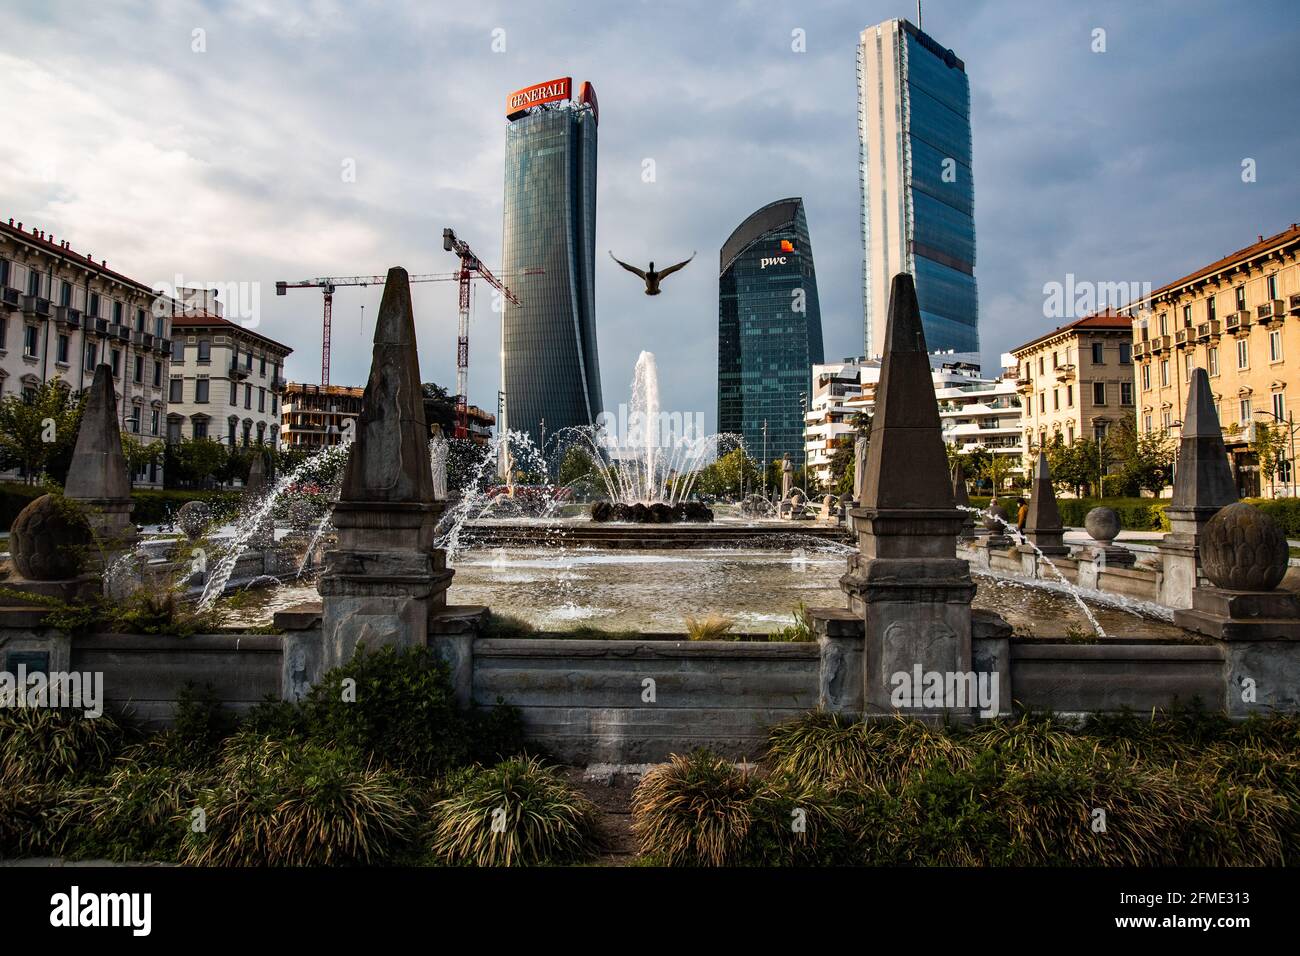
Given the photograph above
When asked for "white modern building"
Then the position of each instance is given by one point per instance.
(974, 412)
(62, 313)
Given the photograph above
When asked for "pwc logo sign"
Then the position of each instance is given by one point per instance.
(786, 247)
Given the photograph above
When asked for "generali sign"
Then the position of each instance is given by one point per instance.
(548, 92)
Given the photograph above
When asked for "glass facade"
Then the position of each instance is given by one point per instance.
(769, 330)
(549, 368)
(918, 194)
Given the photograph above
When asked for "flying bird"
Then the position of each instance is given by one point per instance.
(651, 276)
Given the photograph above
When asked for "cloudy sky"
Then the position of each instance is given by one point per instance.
(212, 141)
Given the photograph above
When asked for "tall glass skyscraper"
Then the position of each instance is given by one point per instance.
(769, 329)
(550, 372)
(917, 193)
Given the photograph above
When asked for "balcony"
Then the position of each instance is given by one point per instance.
(164, 346)
(10, 298)
(1160, 343)
(36, 307)
(1273, 310)
(1065, 373)
(238, 371)
(1025, 385)
(121, 333)
(68, 316)
(1181, 337)
(1139, 349)
(1293, 305)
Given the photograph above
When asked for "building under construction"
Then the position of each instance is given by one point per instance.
(314, 416)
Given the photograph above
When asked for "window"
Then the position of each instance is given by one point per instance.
(234, 357)
(117, 313)
(157, 374)
(1164, 324)
(248, 396)
(160, 327)
(135, 419)
(31, 341)
(1245, 411)
(1069, 396)
(1166, 420)
(205, 351)
(153, 422)
(1042, 402)
(92, 306)
(262, 370)
(1164, 373)
(1241, 298)
(138, 377)
(117, 362)
(1126, 353)
(1146, 378)
(1056, 399)
(248, 361)
(201, 390)
(1040, 365)
(1212, 360)
(261, 399)
(1189, 363)
(139, 320)
(61, 350)
(1126, 393)
(1099, 431)
(1099, 393)
(65, 294)
(1211, 311)
(1279, 405)
(33, 282)
(1056, 360)
(231, 433)
(1098, 354)
(1187, 316)
(175, 389)
(1146, 423)
(173, 430)
(1069, 432)
(4, 273)
(178, 350)
(248, 428)
(234, 392)
(200, 428)
(1243, 353)
(92, 356)
(1271, 283)
(1275, 346)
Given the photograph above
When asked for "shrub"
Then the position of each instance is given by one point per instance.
(159, 507)
(141, 812)
(711, 628)
(14, 498)
(31, 816)
(518, 813)
(49, 745)
(800, 630)
(305, 804)
(695, 810)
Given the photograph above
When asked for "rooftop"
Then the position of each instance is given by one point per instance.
(1261, 245)
(200, 319)
(1108, 320)
(63, 248)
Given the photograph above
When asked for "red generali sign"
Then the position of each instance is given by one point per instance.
(548, 92)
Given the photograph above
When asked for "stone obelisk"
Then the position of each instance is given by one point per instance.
(1043, 522)
(97, 477)
(1202, 485)
(385, 579)
(913, 592)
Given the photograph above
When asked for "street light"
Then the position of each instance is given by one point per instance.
(1289, 422)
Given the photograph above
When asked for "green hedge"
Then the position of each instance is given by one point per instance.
(148, 506)
(1148, 514)
(14, 497)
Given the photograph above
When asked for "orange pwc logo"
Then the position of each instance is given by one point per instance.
(787, 245)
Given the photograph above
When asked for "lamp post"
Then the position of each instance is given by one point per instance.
(1289, 422)
(764, 458)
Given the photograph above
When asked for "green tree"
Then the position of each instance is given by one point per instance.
(727, 475)
(439, 407)
(1075, 466)
(1140, 462)
(576, 465)
(1270, 447)
(39, 426)
(139, 455)
(844, 460)
(196, 461)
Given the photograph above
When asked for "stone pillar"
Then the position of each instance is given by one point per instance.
(1245, 557)
(912, 591)
(1202, 485)
(1043, 522)
(97, 479)
(385, 581)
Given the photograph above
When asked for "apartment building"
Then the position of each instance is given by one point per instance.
(1076, 381)
(1239, 319)
(62, 312)
(974, 411)
(226, 380)
(315, 416)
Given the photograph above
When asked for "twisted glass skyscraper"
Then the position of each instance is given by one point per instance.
(769, 330)
(917, 193)
(549, 368)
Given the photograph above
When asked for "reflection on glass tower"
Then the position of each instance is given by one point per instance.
(917, 193)
(550, 373)
(769, 329)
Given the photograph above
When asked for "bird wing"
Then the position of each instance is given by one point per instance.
(671, 269)
(629, 268)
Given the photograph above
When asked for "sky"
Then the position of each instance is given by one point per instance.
(241, 143)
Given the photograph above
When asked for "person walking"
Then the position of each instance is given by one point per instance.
(1022, 515)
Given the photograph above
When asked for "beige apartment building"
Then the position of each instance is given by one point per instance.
(62, 313)
(1076, 381)
(225, 380)
(1239, 319)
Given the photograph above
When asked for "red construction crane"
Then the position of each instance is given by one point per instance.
(469, 265)
(328, 284)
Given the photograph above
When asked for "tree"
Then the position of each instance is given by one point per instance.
(728, 475)
(576, 465)
(139, 455)
(1142, 462)
(439, 407)
(1270, 448)
(844, 460)
(39, 427)
(1074, 466)
(195, 461)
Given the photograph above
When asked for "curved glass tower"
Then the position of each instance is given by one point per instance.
(769, 330)
(550, 373)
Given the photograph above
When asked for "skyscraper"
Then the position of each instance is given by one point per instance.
(914, 140)
(549, 368)
(769, 329)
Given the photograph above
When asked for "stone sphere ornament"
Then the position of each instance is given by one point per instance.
(1243, 549)
(1102, 524)
(193, 519)
(996, 518)
(47, 539)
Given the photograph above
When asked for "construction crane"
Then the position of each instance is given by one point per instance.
(469, 265)
(327, 285)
